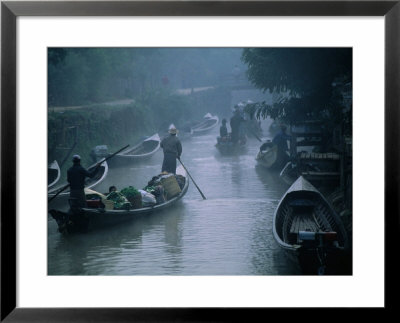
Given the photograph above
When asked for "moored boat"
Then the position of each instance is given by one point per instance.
(87, 219)
(140, 152)
(269, 157)
(308, 229)
(185, 132)
(228, 147)
(53, 174)
(203, 127)
(62, 198)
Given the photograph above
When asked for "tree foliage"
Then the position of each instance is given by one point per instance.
(305, 79)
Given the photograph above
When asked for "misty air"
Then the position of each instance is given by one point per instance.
(199, 161)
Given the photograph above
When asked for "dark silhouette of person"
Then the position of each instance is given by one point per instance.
(172, 149)
(235, 122)
(76, 176)
(280, 140)
(223, 130)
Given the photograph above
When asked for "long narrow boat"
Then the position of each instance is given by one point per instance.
(308, 229)
(142, 151)
(87, 219)
(62, 198)
(209, 123)
(269, 157)
(289, 173)
(229, 148)
(53, 174)
(185, 132)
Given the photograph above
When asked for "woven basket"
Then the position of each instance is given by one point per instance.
(136, 201)
(171, 187)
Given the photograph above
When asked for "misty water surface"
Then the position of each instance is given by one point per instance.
(229, 233)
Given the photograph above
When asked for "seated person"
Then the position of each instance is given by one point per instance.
(119, 199)
(223, 132)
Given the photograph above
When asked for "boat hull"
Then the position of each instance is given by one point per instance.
(205, 126)
(88, 219)
(53, 174)
(271, 159)
(61, 200)
(307, 228)
(140, 152)
(229, 148)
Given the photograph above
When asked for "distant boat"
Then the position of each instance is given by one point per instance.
(184, 132)
(308, 229)
(91, 183)
(53, 174)
(87, 219)
(141, 151)
(269, 157)
(229, 148)
(209, 123)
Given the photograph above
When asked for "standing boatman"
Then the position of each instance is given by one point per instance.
(235, 123)
(172, 149)
(281, 141)
(76, 178)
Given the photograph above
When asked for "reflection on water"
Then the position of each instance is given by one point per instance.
(229, 233)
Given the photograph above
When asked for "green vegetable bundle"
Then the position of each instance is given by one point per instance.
(120, 201)
(130, 192)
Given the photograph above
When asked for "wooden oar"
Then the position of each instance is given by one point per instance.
(98, 164)
(204, 198)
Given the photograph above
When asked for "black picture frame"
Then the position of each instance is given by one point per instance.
(10, 10)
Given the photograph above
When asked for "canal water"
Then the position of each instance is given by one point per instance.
(229, 233)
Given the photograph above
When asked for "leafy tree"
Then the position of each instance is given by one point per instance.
(304, 77)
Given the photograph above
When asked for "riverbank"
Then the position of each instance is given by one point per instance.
(78, 129)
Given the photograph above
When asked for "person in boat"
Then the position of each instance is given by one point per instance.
(172, 149)
(223, 132)
(235, 123)
(120, 201)
(281, 141)
(76, 176)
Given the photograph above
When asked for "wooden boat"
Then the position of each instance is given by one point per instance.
(87, 219)
(184, 132)
(289, 173)
(308, 229)
(230, 148)
(209, 123)
(91, 183)
(269, 157)
(142, 151)
(53, 174)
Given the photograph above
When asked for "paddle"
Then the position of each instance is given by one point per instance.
(97, 165)
(204, 198)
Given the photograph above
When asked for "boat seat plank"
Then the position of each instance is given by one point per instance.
(318, 156)
(320, 174)
(303, 222)
(301, 202)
